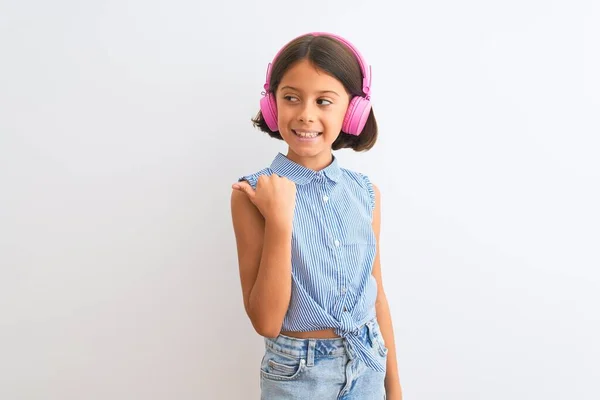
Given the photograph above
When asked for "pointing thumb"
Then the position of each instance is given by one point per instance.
(245, 187)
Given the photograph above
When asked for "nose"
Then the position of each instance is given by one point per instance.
(307, 113)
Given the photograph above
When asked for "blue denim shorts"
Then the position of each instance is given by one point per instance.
(322, 369)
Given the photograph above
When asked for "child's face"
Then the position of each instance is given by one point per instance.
(310, 106)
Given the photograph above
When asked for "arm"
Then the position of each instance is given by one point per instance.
(392, 379)
(264, 257)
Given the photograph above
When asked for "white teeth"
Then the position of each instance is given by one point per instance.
(307, 134)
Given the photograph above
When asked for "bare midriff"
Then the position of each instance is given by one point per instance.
(322, 334)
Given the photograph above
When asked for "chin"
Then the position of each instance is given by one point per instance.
(306, 152)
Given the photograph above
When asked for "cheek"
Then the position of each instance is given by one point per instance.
(336, 119)
(283, 113)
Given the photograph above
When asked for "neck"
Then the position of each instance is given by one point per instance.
(316, 163)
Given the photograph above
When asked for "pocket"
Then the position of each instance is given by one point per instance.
(379, 342)
(280, 367)
(357, 229)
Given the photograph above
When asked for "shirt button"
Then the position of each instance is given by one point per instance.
(343, 290)
(325, 198)
(337, 243)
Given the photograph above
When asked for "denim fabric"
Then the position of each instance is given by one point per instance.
(323, 369)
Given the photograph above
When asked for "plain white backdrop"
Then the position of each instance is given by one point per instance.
(124, 123)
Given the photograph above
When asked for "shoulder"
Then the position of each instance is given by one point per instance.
(243, 210)
(363, 181)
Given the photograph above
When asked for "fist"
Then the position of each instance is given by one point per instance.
(275, 197)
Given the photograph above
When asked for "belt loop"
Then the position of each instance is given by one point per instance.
(310, 353)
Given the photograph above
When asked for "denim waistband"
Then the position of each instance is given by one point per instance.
(315, 348)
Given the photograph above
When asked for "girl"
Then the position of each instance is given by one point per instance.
(307, 233)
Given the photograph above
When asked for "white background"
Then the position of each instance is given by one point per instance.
(124, 123)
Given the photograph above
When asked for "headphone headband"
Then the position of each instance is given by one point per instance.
(364, 67)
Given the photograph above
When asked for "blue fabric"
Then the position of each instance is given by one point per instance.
(322, 369)
(333, 249)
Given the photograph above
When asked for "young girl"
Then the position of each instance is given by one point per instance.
(307, 233)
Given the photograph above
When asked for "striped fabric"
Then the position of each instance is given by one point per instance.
(333, 249)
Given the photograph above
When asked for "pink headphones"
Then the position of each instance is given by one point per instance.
(358, 109)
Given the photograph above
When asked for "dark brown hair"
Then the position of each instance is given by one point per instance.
(333, 57)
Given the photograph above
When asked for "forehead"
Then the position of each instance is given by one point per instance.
(305, 76)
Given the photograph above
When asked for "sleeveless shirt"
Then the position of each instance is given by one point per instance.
(333, 249)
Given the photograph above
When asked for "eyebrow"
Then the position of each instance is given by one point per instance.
(322, 91)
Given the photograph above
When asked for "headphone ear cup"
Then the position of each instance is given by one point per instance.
(268, 108)
(356, 115)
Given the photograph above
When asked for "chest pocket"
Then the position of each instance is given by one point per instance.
(354, 220)
(357, 230)
(343, 219)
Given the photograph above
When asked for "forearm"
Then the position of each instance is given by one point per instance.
(270, 295)
(392, 378)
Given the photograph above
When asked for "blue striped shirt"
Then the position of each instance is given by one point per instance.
(333, 249)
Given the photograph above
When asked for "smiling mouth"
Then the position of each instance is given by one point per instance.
(306, 134)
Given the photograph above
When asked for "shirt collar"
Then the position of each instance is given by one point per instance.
(301, 175)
